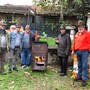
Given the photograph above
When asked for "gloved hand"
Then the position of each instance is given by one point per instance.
(72, 52)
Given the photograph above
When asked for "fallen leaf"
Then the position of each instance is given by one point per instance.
(72, 83)
(53, 70)
(12, 87)
(47, 78)
(28, 74)
(44, 84)
(1, 79)
(12, 82)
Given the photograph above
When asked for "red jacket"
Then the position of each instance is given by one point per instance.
(81, 42)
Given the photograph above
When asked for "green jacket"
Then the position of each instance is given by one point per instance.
(3, 32)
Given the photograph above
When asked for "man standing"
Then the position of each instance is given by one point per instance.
(27, 38)
(81, 46)
(15, 46)
(12, 27)
(64, 47)
(3, 45)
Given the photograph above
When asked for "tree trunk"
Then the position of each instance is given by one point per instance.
(61, 11)
(61, 14)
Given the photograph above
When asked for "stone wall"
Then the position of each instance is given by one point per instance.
(53, 58)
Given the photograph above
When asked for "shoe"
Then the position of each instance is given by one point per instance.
(77, 79)
(84, 83)
(4, 73)
(23, 66)
(59, 72)
(15, 69)
(27, 66)
(9, 71)
(63, 74)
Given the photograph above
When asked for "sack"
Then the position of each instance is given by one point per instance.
(75, 66)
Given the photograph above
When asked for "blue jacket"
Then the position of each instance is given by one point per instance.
(13, 36)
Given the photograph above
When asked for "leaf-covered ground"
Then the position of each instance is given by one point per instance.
(49, 79)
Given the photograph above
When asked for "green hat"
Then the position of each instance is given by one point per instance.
(18, 26)
(62, 27)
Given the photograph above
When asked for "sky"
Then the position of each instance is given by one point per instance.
(16, 2)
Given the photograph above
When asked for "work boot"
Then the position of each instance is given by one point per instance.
(9, 71)
(77, 79)
(3, 73)
(84, 83)
(63, 74)
(15, 69)
(59, 72)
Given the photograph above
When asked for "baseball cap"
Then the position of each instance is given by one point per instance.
(2, 22)
(18, 26)
(81, 23)
(27, 26)
(62, 27)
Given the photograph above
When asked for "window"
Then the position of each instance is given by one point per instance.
(33, 19)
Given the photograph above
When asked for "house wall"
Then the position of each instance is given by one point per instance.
(51, 25)
(71, 20)
(23, 19)
(2, 17)
(15, 18)
(39, 22)
(44, 23)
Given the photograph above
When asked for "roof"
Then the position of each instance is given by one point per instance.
(26, 9)
(19, 9)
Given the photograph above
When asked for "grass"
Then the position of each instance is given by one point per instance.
(39, 80)
(49, 40)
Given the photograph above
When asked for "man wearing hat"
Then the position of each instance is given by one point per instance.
(15, 46)
(27, 38)
(81, 47)
(64, 47)
(3, 45)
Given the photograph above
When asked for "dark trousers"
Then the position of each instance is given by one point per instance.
(63, 64)
(13, 61)
(2, 60)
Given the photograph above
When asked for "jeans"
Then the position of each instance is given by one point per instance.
(82, 57)
(25, 56)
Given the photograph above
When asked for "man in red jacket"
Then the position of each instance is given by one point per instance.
(81, 46)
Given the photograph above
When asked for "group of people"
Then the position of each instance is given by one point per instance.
(80, 47)
(16, 43)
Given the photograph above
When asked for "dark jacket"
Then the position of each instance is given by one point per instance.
(31, 38)
(3, 32)
(64, 45)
